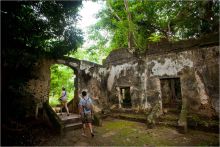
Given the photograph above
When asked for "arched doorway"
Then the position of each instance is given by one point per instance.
(62, 76)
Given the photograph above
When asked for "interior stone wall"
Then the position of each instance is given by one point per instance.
(197, 69)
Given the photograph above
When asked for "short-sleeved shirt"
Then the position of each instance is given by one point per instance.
(85, 101)
(64, 97)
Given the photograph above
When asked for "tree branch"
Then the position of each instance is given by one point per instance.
(113, 12)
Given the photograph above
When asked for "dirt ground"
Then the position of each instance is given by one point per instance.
(115, 132)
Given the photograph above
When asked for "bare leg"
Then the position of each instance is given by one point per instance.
(84, 129)
(61, 108)
(90, 128)
(66, 108)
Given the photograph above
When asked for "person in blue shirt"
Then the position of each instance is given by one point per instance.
(86, 111)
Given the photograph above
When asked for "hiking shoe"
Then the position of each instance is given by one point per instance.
(92, 134)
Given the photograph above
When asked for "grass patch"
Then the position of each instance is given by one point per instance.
(132, 133)
(128, 133)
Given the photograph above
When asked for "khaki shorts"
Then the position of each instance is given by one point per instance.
(86, 118)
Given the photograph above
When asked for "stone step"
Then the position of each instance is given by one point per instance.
(168, 123)
(172, 110)
(169, 117)
(72, 126)
(124, 110)
(131, 117)
(69, 121)
(71, 117)
(73, 121)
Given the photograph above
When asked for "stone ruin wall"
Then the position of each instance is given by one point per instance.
(89, 78)
(198, 72)
(197, 69)
(92, 79)
(39, 86)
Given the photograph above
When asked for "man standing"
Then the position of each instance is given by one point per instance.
(86, 110)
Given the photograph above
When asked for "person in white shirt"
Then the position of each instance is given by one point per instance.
(63, 100)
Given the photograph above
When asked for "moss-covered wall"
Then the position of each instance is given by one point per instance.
(196, 68)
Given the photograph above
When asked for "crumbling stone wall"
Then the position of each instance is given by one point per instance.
(196, 79)
(196, 67)
(92, 79)
(89, 77)
(207, 78)
(39, 87)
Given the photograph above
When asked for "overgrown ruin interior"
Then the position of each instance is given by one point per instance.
(151, 69)
(182, 76)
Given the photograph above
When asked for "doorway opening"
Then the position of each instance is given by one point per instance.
(126, 97)
(171, 94)
(61, 76)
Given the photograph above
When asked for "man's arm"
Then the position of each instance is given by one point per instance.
(80, 108)
(91, 105)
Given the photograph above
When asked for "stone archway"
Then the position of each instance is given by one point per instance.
(39, 87)
(88, 76)
(62, 76)
(74, 64)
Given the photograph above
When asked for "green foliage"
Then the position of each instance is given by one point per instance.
(150, 21)
(153, 20)
(32, 30)
(61, 76)
(154, 37)
(98, 50)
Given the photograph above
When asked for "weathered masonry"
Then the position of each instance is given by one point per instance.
(86, 79)
(182, 75)
(189, 76)
(195, 71)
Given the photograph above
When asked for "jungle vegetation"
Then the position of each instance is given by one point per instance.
(31, 31)
(134, 24)
(34, 30)
(61, 76)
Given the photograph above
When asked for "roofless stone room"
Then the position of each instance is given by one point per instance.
(110, 73)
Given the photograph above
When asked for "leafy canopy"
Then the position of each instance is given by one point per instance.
(148, 21)
(32, 30)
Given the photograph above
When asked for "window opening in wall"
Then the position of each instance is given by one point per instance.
(171, 94)
(125, 97)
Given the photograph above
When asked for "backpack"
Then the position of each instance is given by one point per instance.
(62, 96)
(87, 105)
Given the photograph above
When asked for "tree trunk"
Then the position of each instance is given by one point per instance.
(130, 35)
